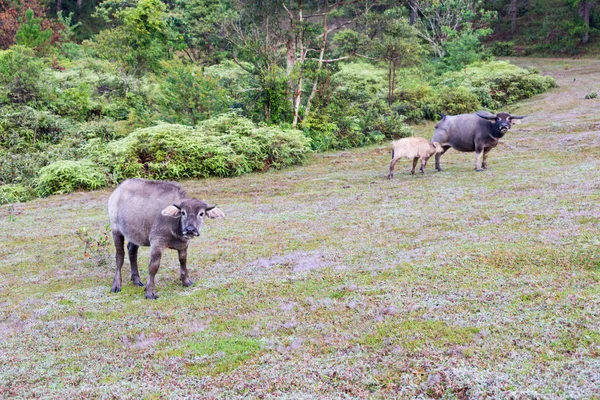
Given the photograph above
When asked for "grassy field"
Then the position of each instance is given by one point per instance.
(330, 281)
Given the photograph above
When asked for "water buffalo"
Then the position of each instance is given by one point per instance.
(478, 132)
(415, 149)
(158, 214)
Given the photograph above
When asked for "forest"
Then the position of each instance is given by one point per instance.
(93, 92)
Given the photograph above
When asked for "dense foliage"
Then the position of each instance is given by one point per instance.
(189, 89)
(228, 145)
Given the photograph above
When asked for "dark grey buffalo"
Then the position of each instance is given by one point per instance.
(478, 132)
(158, 214)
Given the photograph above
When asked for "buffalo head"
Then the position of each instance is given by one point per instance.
(502, 121)
(191, 214)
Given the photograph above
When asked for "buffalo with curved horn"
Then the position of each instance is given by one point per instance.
(478, 132)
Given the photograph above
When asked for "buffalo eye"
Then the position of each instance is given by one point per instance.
(183, 213)
(201, 214)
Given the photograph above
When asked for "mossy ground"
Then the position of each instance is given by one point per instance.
(330, 281)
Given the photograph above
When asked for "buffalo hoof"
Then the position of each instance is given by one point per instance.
(137, 282)
(390, 176)
(479, 169)
(151, 296)
(115, 289)
(439, 169)
(188, 283)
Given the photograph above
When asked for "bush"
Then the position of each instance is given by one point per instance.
(22, 166)
(380, 122)
(25, 129)
(188, 95)
(504, 83)
(417, 103)
(591, 95)
(77, 103)
(227, 145)
(66, 176)
(23, 77)
(14, 194)
(351, 110)
(502, 49)
(459, 100)
(105, 130)
(321, 132)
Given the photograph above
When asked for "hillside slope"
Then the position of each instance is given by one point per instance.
(330, 281)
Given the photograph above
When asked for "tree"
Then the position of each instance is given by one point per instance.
(188, 95)
(31, 34)
(585, 8)
(296, 28)
(397, 43)
(12, 14)
(138, 43)
(439, 18)
(199, 23)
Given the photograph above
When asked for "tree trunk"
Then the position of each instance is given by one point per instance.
(79, 3)
(58, 6)
(394, 69)
(321, 58)
(413, 12)
(291, 62)
(585, 6)
(390, 83)
(513, 16)
(298, 93)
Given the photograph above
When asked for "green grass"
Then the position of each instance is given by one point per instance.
(415, 335)
(330, 281)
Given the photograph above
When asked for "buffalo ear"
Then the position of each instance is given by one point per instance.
(173, 211)
(488, 116)
(214, 212)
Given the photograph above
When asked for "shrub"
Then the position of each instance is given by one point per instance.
(417, 103)
(21, 167)
(66, 176)
(14, 194)
(351, 110)
(31, 34)
(380, 122)
(188, 95)
(459, 100)
(105, 130)
(360, 82)
(77, 103)
(502, 49)
(25, 129)
(321, 132)
(227, 145)
(465, 47)
(591, 95)
(504, 83)
(23, 77)
(18, 168)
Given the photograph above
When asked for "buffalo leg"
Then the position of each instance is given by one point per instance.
(438, 156)
(485, 154)
(183, 272)
(479, 159)
(392, 164)
(132, 249)
(119, 240)
(155, 255)
(414, 165)
(423, 164)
